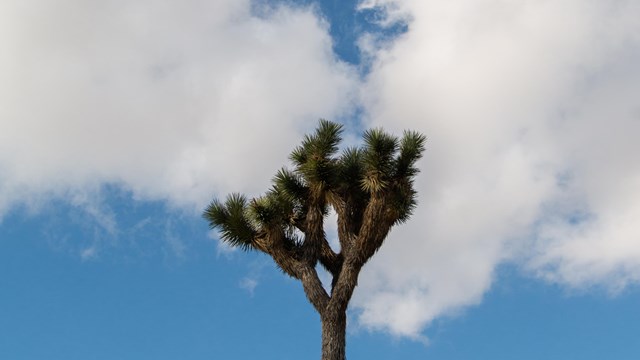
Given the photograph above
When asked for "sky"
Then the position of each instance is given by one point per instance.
(120, 121)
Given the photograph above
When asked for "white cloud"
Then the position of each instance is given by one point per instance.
(532, 115)
(175, 100)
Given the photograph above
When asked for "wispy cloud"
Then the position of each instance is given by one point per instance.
(88, 253)
(249, 284)
(255, 273)
(222, 248)
(174, 245)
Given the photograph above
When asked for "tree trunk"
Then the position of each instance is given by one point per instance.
(334, 327)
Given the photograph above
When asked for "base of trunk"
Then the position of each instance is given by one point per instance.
(334, 327)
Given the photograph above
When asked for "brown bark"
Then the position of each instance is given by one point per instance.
(334, 318)
(376, 225)
(334, 326)
(313, 288)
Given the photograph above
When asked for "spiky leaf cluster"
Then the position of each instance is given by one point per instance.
(313, 160)
(384, 166)
(231, 220)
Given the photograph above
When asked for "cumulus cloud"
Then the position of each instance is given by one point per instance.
(531, 110)
(163, 99)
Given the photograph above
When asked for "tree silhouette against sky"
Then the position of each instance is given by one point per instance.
(369, 187)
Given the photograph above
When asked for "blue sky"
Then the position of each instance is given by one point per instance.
(120, 121)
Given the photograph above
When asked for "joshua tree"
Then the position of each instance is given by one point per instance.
(369, 187)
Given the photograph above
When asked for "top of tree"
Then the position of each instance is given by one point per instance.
(381, 170)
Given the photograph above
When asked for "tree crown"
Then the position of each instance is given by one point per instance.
(379, 173)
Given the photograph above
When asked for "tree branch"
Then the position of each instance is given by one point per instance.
(378, 220)
(294, 264)
(329, 259)
(343, 286)
(272, 243)
(314, 233)
(346, 222)
(313, 288)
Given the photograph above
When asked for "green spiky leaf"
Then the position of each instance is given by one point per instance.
(313, 159)
(231, 221)
(378, 159)
(290, 184)
(412, 146)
